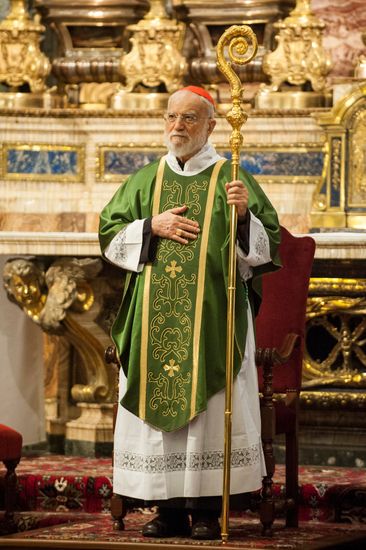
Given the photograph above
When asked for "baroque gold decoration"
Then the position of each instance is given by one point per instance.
(357, 191)
(61, 300)
(336, 315)
(21, 61)
(155, 60)
(299, 61)
(91, 37)
(339, 201)
(25, 284)
(344, 400)
(207, 20)
(240, 45)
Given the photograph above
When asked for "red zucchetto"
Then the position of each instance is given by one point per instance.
(199, 91)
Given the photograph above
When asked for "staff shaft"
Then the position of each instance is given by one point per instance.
(237, 40)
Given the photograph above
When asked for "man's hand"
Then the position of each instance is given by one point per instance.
(172, 225)
(238, 195)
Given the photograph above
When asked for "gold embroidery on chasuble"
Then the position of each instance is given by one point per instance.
(172, 308)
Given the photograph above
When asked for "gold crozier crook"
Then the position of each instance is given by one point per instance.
(241, 44)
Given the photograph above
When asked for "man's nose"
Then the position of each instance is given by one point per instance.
(179, 122)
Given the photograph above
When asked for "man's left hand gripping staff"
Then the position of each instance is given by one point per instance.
(237, 194)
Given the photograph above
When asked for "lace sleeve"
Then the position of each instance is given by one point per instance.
(259, 252)
(125, 248)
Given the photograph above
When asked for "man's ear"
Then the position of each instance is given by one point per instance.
(211, 126)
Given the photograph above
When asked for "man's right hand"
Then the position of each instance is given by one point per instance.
(172, 225)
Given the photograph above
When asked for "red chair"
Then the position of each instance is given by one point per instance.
(280, 329)
(10, 454)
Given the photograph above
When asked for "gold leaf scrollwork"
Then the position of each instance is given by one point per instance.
(336, 312)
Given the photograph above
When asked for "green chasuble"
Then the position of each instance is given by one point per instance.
(170, 331)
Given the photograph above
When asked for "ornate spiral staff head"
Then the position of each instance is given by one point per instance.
(241, 44)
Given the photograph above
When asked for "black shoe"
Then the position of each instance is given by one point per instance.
(206, 529)
(167, 526)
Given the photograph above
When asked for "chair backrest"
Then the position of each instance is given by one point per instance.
(283, 307)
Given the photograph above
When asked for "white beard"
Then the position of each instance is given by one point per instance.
(185, 148)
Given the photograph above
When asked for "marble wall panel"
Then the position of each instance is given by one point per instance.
(38, 222)
(345, 20)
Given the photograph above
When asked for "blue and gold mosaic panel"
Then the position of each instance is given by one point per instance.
(61, 163)
(281, 163)
(116, 163)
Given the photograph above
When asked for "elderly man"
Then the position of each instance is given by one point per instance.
(168, 226)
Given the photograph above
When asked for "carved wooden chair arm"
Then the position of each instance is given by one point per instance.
(273, 356)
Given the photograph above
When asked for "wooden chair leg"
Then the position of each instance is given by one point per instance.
(118, 502)
(292, 480)
(267, 509)
(9, 483)
(118, 511)
(267, 505)
(10, 487)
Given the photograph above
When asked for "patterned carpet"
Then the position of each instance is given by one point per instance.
(96, 532)
(64, 502)
(57, 483)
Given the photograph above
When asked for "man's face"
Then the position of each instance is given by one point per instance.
(185, 136)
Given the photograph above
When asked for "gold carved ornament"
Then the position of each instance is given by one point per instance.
(155, 56)
(319, 200)
(339, 311)
(339, 198)
(357, 181)
(299, 57)
(21, 60)
(241, 45)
